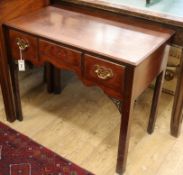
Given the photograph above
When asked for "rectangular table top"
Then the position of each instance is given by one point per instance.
(123, 42)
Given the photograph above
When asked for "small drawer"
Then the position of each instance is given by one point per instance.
(60, 56)
(29, 44)
(104, 73)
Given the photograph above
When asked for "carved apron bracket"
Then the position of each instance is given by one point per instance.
(117, 102)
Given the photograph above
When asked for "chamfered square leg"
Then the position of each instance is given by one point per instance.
(177, 115)
(125, 125)
(52, 75)
(15, 88)
(155, 102)
(7, 93)
(57, 80)
(49, 77)
(6, 82)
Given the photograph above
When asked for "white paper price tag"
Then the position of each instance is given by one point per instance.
(21, 65)
(21, 62)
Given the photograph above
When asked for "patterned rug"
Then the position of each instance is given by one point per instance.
(19, 155)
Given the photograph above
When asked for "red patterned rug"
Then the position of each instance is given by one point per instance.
(19, 155)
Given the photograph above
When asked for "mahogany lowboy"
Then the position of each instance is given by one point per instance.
(120, 58)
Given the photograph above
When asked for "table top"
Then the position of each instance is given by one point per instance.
(168, 11)
(123, 42)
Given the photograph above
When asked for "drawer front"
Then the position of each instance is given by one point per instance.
(60, 56)
(105, 74)
(28, 42)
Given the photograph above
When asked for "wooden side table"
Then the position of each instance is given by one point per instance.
(120, 58)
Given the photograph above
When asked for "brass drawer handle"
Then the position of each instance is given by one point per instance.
(103, 72)
(22, 44)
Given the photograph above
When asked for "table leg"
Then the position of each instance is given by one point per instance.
(53, 78)
(7, 91)
(124, 137)
(155, 102)
(57, 80)
(49, 77)
(127, 107)
(5, 82)
(177, 116)
(15, 87)
(44, 74)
